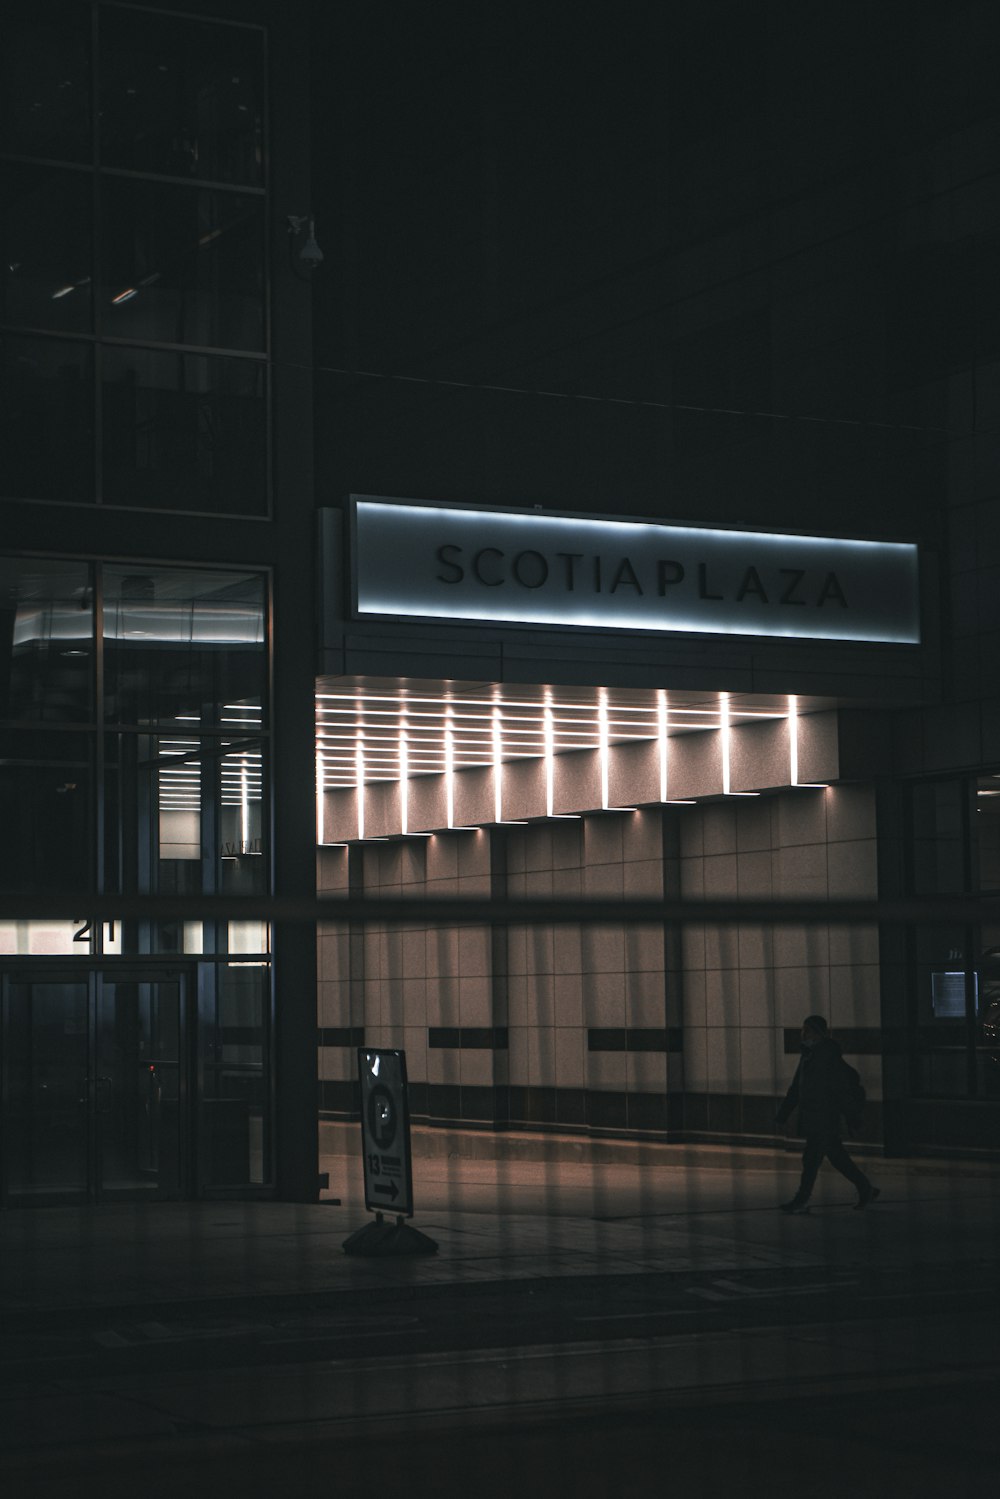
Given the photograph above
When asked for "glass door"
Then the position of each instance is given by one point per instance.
(138, 1094)
(94, 1085)
(45, 1081)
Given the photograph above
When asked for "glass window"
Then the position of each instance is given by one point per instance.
(181, 645)
(47, 418)
(988, 1024)
(987, 831)
(181, 97)
(45, 80)
(181, 265)
(234, 1035)
(186, 816)
(45, 813)
(46, 644)
(184, 432)
(45, 238)
(46, 1064)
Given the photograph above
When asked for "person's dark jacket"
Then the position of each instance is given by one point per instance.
(817, 1089)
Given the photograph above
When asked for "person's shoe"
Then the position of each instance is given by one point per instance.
(867, 1194)
(795, 1206)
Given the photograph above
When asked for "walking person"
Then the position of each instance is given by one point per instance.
(818, 1091)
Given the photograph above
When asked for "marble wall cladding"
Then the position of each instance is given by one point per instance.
(744, 984)
(731, 989)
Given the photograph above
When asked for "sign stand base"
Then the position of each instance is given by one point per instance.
(381, 1238)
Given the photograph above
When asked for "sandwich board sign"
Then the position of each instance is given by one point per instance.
(385, 1127)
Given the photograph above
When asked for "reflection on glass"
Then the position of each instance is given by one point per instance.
(46, 678)
(46, 647)
(988, 1020)
(45, 1097)
(179, 645)
(45, 817)
(987, 831)
(137, 1084)
(45, 247)
(45, 80)
(181, 265)
(234, 1112)
(45, 939)
(47, 418)
(181, 97)
(184, 432)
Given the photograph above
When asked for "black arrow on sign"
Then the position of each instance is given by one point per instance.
(391, 1191)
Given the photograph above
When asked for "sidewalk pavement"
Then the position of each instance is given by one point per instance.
(201, 1345)
(501, 1208)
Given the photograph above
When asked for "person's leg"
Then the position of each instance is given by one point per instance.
(838, 1157)
(812, 1155)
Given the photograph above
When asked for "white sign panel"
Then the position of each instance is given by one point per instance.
(438, 562)
(385, 1131)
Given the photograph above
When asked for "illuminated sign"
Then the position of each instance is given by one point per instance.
(527, 567)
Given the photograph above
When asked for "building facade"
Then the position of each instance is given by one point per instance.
(621, 320)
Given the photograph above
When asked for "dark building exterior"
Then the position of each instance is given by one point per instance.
(617, 310)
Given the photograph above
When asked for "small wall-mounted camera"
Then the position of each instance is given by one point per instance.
(310, 252)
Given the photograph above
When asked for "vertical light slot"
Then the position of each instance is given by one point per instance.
(359, 783)
(725, 736)
(404, 784)
(603, 744)
(550, 766)
(449, 768)
(244, 808)
(661, 727)
(497, 766)
(793, 741)
(320, 830)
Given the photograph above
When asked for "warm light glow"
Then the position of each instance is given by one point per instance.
(244, 806)
(724, 732)
(449, 770)
(662, 725)
(497, 766)
(359, 783)
(404, 785)
(603, 748)
(320, 830)
(439, 731)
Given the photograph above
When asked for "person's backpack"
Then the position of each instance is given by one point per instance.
(852, 1096)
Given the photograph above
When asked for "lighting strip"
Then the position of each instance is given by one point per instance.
(320, 787)
(359, 782)
(449, 769)
(603, 750)
(662, 725)
(244, 807)
(497, 767)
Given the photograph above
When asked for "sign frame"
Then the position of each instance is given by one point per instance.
(634, 575)
(385, 1131)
